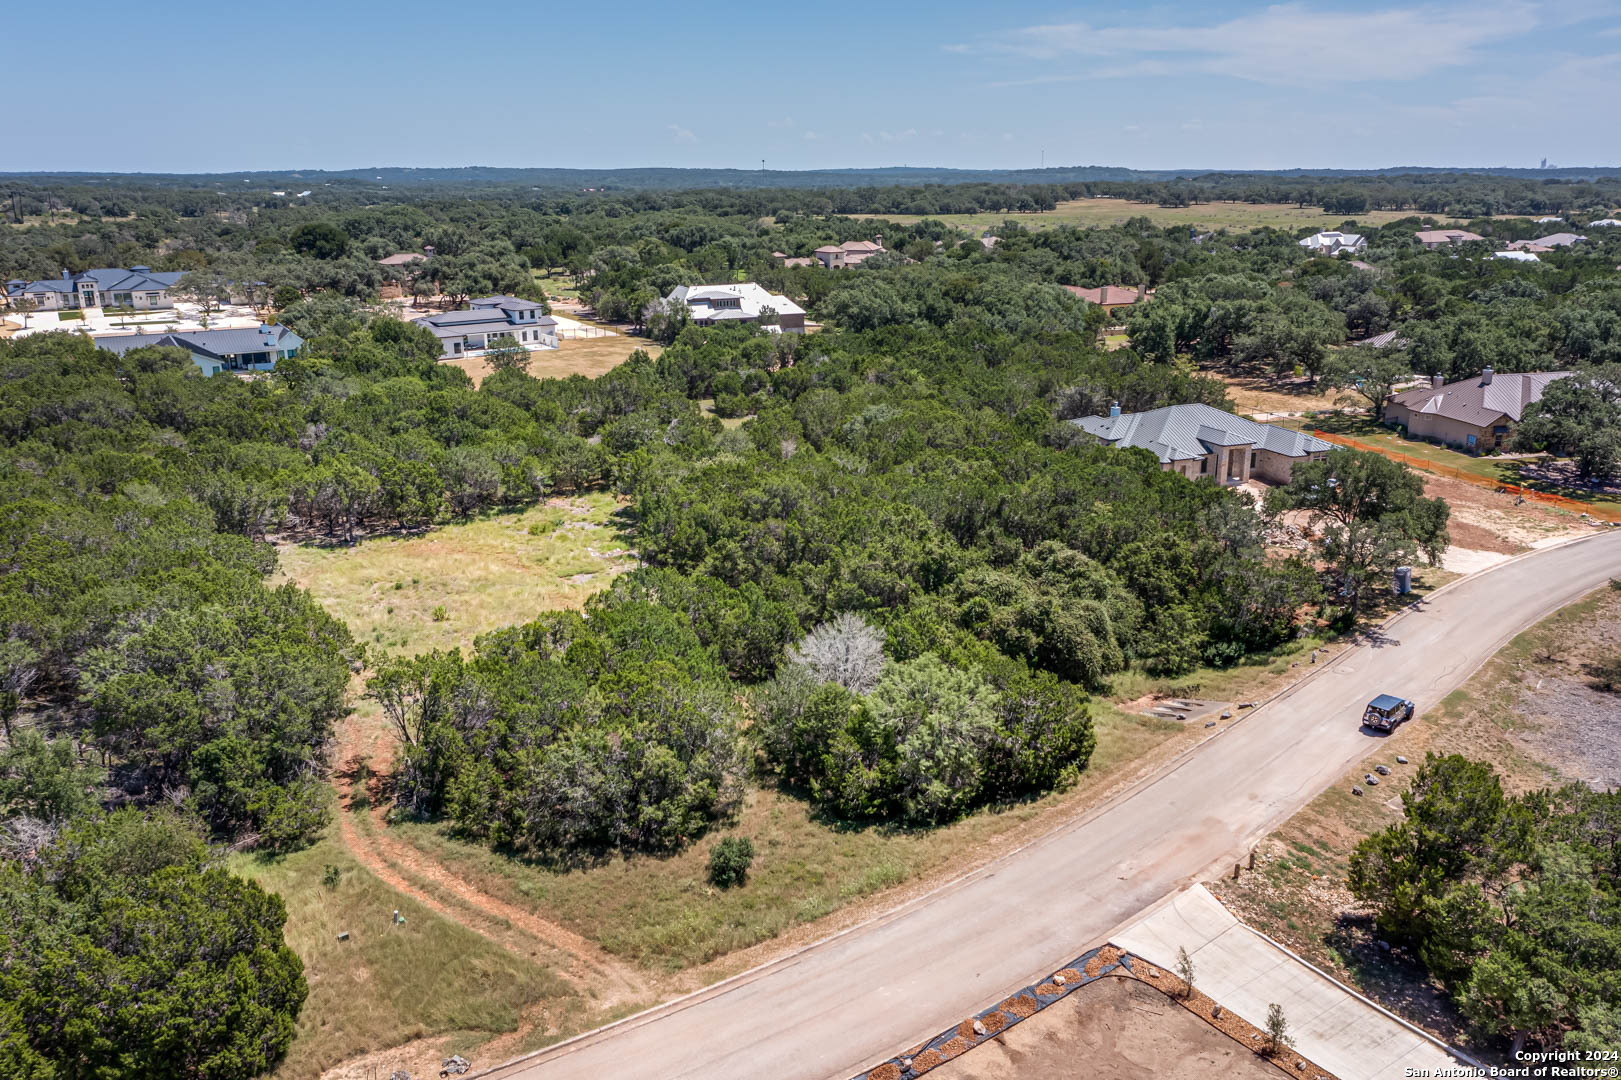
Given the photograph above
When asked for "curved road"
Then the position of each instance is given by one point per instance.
(840, 1005)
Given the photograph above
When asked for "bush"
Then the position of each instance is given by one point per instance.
(439, 613)
(729, 861)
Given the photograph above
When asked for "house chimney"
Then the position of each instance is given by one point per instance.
(1437, 381)
(1114, 408)
(880, 239)
(65, 275)
(1486, 377)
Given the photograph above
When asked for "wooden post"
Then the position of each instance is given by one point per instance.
(1252, 858)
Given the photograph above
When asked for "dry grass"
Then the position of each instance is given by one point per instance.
(662, 911)
(1103, 212)
(387, 985)
(495, 571)
(1527, 711)
(573, 356)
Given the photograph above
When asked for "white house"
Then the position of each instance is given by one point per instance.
(139, 287)
(1332, 243)
(249, 349)
(743, 302)
(1517, 256)
(491, 322)
(1604, 222)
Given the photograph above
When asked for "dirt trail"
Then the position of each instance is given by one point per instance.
(606, 981)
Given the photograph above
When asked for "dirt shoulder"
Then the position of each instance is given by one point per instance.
(1531, 711)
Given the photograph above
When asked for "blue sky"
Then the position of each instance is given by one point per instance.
(223, 86)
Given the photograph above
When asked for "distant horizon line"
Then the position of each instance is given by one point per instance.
(835, 169)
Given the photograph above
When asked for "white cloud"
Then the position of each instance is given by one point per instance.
(681, 134)
(1292, 43)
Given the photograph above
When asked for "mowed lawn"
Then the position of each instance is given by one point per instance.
(1499, 469)
(388, 983)
(494, 571)
(1215, 215)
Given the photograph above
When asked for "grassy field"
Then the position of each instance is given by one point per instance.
(573, 356)
(497, 570)
(557, 286)
(388, 984)
(1219, 215)
(662, 912)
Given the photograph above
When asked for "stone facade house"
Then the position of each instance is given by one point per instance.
(1202, 442)
(1474, 414)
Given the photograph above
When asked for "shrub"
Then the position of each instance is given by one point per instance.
(331, 876)
(729, 861)
(439, 613)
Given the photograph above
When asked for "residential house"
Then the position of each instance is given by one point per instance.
(743, 302)
(248, 349)
(1386, 340)
(491, 322)
(139, 287)
(404, 258)
(1332, 243)
(1553, 240)
(850, 253)
(1608, 222)
(1434, 238)
(1200, 441)
(1109, 297)
(1546, 220)
(1535, 247)
(1517, 256)
(1475, 414)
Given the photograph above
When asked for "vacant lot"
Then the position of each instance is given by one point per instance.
(1218, 215)
(444, 587)
(426, 987)
(1122, 1029)
(1531, 712)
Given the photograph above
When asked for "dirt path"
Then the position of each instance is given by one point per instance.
(607, 982)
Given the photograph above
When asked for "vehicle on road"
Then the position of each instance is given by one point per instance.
(1386, 711)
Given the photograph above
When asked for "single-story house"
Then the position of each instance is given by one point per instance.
(1200, 441)
(1607, 223)
(743, 302)
(139, 287)
(1535, 247)
(1108, 297)
(1434, 238)
(1553, 240)
(248, 349)
(1333, 242)
(1475, 414)
(1517, 256)
(404, 258)
(1546, 220)
(849, 253)
(491, 322)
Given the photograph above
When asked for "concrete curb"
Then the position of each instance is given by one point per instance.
(742, 978)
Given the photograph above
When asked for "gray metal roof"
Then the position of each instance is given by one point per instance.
(507, 303)
(1478, 402)
(215, 343)
(1187, 432)
(106, 279)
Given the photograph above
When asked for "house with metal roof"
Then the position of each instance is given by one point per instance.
(709, 305)
(491, 322)
(1475, 414)
(1202, 442)
(249, 349)
(139, 288)
(1332, 242)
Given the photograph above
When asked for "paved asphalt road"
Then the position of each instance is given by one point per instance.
(841, 1005)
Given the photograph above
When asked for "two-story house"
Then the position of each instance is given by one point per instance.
(491, 322)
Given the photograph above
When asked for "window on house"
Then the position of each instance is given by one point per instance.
(1204, 465)
(1254, 457)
